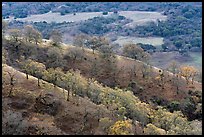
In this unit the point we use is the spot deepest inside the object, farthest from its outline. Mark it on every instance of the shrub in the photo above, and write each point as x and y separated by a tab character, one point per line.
173	106
153	130
105	123
47	104
121	128
105	13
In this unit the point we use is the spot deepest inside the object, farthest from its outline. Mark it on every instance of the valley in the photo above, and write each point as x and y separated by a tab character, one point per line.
136	17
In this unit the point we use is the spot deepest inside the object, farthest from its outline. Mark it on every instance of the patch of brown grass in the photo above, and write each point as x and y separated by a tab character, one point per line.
69	119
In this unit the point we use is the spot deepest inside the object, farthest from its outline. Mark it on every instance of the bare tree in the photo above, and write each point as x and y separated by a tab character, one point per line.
54	58
37	36
28	30
32	34
4	27
161	78
95	66
132	73
96	42
108	64
56	37
75	53
12	75
80	41
173	67
146	69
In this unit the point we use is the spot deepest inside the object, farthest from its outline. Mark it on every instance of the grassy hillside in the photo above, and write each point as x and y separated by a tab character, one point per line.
148	88
137	17
162	59
123	95
155	41
65	118
150	85
68	70
31	105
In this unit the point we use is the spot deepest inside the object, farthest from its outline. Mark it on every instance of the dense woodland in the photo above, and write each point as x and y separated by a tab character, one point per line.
44	7
136	97
181	31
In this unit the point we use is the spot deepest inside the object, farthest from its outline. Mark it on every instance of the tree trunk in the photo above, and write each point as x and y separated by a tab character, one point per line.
26	75
38	82
177	89
10	92
192	80
74	59
72	93
83	49
68	95
187	81
143	75
77	103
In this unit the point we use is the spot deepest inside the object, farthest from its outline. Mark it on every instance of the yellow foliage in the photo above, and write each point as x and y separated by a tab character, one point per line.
174	123
153	130
157	78
188	72
121	128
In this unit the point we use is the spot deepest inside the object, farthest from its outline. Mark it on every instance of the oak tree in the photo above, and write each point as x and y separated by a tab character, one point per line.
56	37
15	34
188	72
135	52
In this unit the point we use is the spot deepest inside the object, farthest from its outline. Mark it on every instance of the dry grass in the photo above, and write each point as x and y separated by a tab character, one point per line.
155	41
150	86
67	121
142	17
56	17
162	59
138	17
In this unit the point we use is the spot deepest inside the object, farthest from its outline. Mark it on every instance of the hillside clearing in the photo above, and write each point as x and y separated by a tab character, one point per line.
138	17
155	41
142	17
163	59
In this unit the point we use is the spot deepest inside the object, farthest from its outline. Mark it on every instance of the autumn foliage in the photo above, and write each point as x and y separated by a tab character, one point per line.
189	72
